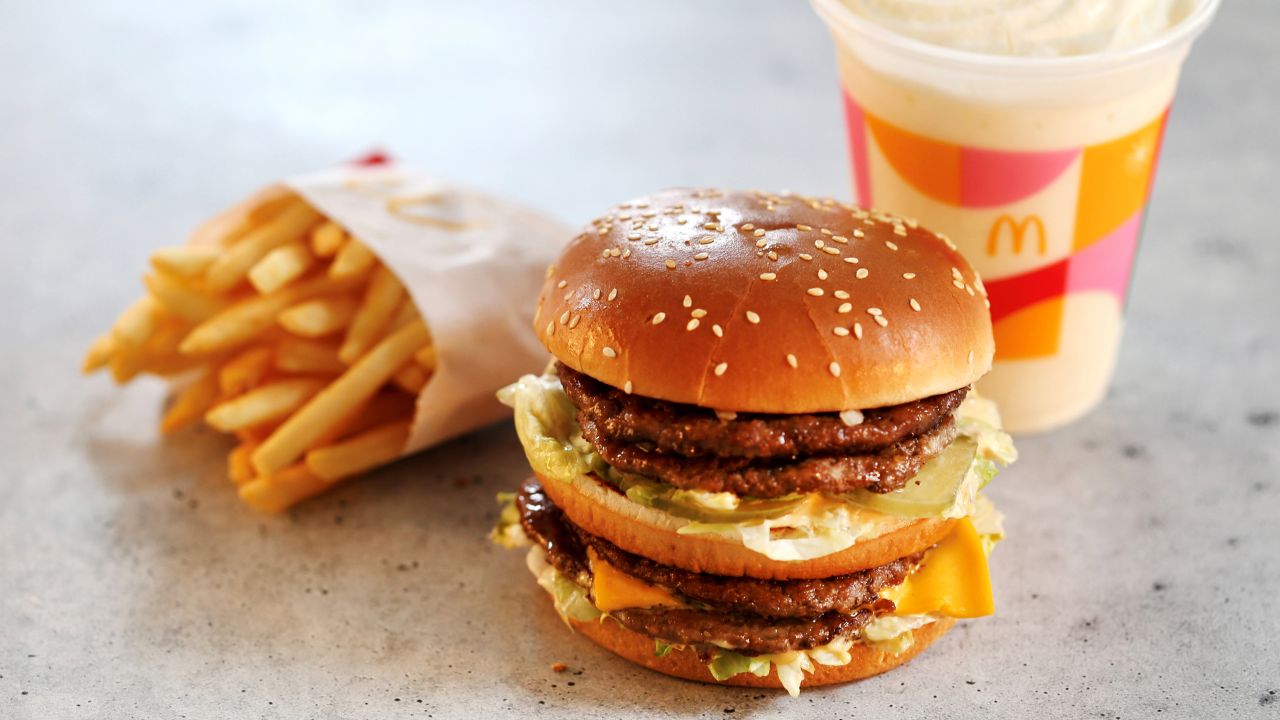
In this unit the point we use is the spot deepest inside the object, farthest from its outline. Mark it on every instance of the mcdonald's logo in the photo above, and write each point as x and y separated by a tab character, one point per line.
1018	232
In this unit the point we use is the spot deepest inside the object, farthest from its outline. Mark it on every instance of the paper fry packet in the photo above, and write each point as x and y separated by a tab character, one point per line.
338	321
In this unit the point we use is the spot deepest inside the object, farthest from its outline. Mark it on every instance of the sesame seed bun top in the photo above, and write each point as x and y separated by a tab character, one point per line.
758	302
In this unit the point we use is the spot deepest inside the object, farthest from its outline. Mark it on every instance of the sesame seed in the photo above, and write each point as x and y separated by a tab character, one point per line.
613	294
748	226
882	321
908	276
955	273
726	415
626	388
551	327
711	226
760	244
822	274
834	368
858	233
682	221
758	232
819	244
830	250
815	291
568	295
626	253
717	330
615	252
562	284
772	255
609	352
564	317
825	231
899	230
721	368
551	270
874	311
969	289
844	308
633	236
706	240
657	319
915	305
651	226
687	302
841	331
651	242
671	264
791	360
698	313
891	244
841	294
862	273
852	417
958	284
768	276
851	260
573	322
986	302
970	357
753	318
701	256
913	223
803	228
805	256
692	325
840	239
605	254
857	330
595	294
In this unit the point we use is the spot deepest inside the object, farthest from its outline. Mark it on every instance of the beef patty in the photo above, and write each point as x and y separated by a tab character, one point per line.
883	471
758	616
692	431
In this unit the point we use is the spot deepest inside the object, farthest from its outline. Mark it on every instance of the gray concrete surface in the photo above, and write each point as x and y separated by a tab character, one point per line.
1141	575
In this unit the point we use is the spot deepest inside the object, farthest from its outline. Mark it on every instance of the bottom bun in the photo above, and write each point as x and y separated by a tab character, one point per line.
683	663
652	533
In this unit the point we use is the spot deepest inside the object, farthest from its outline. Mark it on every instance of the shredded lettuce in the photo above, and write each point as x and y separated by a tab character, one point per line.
661	649
508	532
790	666
892	633
795	527
571	599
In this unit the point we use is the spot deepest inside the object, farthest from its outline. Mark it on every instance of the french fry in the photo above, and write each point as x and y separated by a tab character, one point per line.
327	239
280	267
136	324
383	408
249	318
182	299
318	317
360	382
276	493
295	355
160	354
352	261
185	261
233	264
126	363
100	352
269	203
191	404
426	357
381	299
411	378
405	314
239	470
245	370
369	449
262	405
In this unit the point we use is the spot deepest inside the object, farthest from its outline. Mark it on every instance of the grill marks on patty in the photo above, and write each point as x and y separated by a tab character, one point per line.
757	616
763	456
693	431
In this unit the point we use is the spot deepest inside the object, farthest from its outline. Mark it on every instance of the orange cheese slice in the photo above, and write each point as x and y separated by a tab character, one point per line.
612	589
952	582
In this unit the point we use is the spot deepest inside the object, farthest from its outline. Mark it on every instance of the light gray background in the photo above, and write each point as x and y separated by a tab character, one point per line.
1141	574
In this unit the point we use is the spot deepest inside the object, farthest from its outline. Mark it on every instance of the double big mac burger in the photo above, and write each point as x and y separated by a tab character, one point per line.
757	458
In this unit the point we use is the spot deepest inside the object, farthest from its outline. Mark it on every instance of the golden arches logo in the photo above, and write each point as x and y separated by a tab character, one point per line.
1018	232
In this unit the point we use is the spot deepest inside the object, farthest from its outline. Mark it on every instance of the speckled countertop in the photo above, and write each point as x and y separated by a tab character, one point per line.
1141	574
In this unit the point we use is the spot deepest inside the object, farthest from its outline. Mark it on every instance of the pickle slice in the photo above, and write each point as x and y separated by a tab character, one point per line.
935	489
748	509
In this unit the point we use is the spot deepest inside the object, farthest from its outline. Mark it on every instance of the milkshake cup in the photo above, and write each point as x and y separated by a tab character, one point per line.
1038	168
